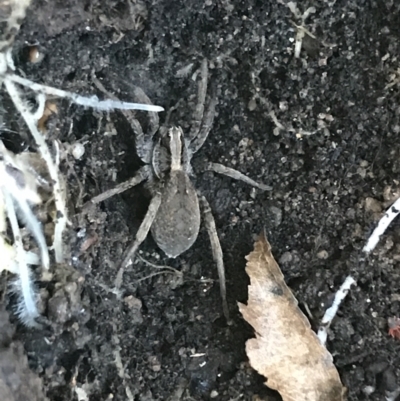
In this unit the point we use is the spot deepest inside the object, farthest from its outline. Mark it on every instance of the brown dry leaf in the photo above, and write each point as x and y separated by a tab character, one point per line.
285	351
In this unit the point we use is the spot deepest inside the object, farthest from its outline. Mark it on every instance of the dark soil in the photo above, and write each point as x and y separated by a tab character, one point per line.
333	168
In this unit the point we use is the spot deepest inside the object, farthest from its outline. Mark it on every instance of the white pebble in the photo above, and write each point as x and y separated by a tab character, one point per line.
78	150
368	390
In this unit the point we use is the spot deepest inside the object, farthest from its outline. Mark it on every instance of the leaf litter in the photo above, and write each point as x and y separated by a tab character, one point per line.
285	350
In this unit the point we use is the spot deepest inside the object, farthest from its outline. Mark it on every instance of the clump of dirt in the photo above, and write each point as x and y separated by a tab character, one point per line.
17	381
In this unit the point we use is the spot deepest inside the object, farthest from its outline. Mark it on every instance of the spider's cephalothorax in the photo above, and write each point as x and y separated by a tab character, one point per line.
174	211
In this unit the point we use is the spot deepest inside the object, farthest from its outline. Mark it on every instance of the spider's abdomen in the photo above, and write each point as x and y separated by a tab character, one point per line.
177	222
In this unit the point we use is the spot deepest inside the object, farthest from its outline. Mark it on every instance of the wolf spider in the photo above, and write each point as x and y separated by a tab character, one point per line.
173	215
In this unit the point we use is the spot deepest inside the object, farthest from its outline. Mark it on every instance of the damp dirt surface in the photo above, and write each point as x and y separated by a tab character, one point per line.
321	130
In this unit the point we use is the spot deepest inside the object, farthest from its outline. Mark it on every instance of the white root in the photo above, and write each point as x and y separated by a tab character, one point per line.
21	197
34	227
330	313
26	309
13	257
14	198
31	118
370	245
44	150
383	224
92	101
301	31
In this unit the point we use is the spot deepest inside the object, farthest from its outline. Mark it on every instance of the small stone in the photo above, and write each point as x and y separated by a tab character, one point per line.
244	143
132	302
277	215
214	394
155	363
362	172
135	305
285	258
78	150
372	205
358	231
391	194
322	254
58	309
252	105
146	396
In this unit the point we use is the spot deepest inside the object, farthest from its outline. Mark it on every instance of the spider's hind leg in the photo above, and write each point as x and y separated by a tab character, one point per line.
216	251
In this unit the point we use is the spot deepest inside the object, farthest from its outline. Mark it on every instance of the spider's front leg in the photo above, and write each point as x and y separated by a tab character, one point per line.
143	141
216	251
203	116
141	175
201	99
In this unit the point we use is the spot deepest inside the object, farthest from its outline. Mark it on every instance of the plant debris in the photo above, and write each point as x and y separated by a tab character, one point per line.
330	313
285	351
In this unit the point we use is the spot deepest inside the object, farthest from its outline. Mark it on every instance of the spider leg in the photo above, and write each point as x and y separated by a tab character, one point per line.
155	160
143	141
201	99
216	251
140	236
206	126
154	120
141	175
236	175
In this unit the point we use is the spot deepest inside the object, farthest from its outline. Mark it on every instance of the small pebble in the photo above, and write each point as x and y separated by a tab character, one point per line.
286	258
368	390
155	363
322	254
35	56
78	150
276	214
252	105
372	205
